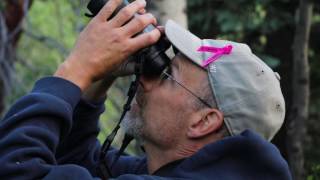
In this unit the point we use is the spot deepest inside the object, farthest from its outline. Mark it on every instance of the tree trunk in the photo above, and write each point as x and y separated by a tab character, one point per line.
169	9
10	29
300	97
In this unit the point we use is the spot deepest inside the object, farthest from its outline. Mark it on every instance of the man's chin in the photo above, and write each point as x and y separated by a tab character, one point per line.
139	98
135	107
133	123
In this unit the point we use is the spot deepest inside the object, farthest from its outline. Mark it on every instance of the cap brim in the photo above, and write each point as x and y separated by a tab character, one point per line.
186	42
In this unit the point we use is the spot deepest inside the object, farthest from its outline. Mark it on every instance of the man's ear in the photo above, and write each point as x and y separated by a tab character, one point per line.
205	122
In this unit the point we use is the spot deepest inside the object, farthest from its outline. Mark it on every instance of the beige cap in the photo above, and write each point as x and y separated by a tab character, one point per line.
246	90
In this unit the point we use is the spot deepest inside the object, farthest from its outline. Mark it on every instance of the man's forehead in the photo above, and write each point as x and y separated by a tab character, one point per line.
181	61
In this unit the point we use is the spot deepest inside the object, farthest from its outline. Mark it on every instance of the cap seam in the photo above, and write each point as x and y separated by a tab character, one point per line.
240	101
217	103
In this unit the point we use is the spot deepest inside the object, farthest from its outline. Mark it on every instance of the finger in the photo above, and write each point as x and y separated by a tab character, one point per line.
127	13
145	39
142	11
108	9
161	29
138	23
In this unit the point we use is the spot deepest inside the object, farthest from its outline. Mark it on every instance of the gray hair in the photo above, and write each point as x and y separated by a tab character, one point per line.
206	94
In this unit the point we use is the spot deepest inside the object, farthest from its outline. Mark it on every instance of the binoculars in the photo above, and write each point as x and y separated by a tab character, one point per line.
154	59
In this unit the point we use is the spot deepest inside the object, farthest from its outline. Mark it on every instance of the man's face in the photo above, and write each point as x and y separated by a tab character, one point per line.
163	108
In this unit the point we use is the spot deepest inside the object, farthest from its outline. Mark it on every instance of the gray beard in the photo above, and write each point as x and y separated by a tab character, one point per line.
133	125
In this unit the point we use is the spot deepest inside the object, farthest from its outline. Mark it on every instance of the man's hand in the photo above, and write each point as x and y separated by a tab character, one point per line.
104	45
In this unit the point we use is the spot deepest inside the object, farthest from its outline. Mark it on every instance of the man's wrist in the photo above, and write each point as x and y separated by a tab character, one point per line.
98	90
73	74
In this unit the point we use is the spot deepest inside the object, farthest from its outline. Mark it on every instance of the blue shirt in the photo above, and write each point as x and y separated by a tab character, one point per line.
52	134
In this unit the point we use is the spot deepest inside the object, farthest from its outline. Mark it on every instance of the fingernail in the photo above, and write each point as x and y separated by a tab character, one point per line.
150	15
142	2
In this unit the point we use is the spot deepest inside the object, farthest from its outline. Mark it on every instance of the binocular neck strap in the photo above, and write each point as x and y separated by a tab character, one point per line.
104	170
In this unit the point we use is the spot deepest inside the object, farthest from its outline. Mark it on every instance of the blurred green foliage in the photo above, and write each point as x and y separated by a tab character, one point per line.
314	173
36	58
239	20
2	5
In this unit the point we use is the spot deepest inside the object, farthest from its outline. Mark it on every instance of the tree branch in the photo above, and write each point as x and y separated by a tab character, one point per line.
48	41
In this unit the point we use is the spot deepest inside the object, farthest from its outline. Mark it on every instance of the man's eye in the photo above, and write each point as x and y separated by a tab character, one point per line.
166	71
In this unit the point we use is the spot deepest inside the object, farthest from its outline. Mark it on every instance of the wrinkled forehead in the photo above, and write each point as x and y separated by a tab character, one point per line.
188	69
184	62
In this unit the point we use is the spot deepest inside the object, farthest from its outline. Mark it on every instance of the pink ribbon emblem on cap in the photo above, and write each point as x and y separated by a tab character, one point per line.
218	52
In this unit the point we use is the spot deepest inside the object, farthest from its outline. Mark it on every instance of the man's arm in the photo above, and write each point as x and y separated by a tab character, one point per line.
33	128
39	137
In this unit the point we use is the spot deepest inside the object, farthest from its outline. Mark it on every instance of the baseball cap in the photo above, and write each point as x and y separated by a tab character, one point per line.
246	90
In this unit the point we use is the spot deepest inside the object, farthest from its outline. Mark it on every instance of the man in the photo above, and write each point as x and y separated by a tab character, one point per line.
206	117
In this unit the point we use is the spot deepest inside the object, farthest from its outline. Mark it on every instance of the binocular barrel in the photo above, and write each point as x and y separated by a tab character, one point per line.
155	59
